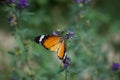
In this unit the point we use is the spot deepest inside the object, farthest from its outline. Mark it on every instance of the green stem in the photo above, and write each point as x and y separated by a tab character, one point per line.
25	51
66	74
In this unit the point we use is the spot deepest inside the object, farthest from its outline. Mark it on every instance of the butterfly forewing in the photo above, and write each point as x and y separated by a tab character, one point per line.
51	41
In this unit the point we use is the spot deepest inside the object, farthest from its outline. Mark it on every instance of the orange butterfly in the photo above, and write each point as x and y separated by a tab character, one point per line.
53	43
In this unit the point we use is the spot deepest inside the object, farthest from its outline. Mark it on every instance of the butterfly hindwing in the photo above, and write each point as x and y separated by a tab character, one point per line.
55	47
61	51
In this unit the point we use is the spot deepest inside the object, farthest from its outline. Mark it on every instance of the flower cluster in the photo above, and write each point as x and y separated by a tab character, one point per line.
69	34
115	66
57	32
9	2
20	4
66	62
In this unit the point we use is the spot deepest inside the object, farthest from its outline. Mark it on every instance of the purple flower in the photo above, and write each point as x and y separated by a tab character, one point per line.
9	1
21	4
115	66
66	62
69	34
54	33
57	32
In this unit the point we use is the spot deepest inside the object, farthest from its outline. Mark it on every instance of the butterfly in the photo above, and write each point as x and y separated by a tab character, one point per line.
53	43
56	43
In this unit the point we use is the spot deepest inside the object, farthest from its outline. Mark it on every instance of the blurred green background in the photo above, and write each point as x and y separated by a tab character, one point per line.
95	46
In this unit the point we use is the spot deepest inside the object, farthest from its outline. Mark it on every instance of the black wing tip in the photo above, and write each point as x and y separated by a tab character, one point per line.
36	39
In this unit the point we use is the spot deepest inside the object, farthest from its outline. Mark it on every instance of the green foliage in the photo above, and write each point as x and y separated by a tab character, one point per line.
94	26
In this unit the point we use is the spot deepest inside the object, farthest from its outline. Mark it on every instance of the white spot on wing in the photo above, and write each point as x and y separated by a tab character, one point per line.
64	56
41	38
